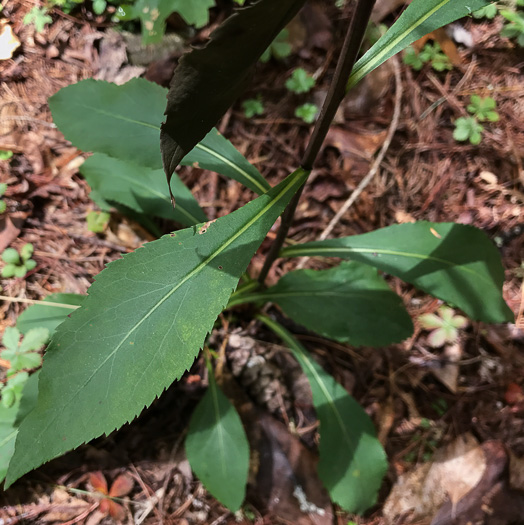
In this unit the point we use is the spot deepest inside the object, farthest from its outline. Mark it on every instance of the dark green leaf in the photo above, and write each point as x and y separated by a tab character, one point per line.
349	303
140	188
124	122
208	80
352	461
40	315
140	328
454	262
420	18
217	447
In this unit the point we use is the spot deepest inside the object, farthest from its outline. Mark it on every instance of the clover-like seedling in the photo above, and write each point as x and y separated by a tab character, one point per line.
300	81
515	26
412	58
483	108
307	112
433	54
22	355
3	205
280	47
444	327
39	17
18	264
468	128
253	106
97	221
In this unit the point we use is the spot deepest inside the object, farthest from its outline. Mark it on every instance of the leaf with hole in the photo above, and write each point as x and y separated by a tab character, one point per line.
352	461
145	319
454	262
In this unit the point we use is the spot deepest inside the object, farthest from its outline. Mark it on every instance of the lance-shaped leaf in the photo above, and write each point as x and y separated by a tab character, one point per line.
420	18
454	262
352	461
124	122
349	303
49	316
140	188
217	447
141	326
208	80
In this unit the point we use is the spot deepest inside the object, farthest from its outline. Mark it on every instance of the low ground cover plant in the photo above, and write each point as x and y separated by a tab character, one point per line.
148	314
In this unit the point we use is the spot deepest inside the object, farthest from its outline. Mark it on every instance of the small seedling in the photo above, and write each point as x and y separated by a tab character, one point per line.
432	54
468	128
307	112
39	17
3	205
489	11
18	264
515	26
444	327
280	47
122	486
22	355
99	6
483	108
97	221
300	81
253	106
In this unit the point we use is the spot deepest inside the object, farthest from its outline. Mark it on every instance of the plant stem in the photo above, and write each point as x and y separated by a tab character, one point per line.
336	93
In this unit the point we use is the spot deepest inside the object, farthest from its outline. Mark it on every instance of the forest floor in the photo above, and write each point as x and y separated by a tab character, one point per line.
427	404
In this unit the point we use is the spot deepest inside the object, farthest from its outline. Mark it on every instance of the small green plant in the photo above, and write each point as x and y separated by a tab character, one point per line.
3	189
97	221
483	108
22	356
39	17
469	128
444	326
515	26
300	81
432	54
307	112
253	106
280	47
18	264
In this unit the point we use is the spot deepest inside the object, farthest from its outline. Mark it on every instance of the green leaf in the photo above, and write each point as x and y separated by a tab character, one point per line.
26	251
141	326
352	461
34	339
10	419
9	270
140	188
307	112
105	118
253	106
11	339
454	262
280	47
349	303
208	80
420	18
217	447
38	16
10	256
49	317
97	221
300	81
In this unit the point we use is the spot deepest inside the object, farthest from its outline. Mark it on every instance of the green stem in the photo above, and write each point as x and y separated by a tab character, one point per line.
348	56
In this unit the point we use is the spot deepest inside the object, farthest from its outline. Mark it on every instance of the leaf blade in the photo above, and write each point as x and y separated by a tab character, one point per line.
420	18
217	447
352	461
454	262
163	300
